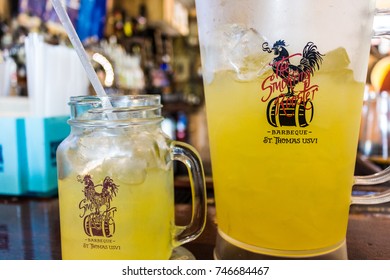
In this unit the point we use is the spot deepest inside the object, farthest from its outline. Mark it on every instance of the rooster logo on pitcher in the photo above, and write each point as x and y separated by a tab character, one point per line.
293	105
97	211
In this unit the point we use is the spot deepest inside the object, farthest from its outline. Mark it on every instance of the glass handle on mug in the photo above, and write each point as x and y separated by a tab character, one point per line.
187	155
384	175
375	179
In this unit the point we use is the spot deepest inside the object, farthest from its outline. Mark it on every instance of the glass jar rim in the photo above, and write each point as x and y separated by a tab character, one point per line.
147	99
115	109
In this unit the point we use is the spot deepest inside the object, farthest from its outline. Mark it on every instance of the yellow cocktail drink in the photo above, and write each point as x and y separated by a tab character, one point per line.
283	164
115	181
115	218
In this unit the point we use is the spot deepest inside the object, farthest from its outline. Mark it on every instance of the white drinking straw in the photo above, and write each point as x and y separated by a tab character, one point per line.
78	46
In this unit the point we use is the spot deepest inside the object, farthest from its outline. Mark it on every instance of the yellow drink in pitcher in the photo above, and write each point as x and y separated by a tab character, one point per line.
110	218
281	187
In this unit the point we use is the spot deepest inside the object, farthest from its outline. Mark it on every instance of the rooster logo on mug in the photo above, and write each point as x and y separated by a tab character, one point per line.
97	211
293	106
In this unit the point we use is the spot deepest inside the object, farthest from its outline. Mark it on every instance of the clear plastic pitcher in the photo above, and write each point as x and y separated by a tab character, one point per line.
284	83
115	182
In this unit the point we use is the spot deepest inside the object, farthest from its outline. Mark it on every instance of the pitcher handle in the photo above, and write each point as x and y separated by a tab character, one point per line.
374	179
384	175
189	156
382	32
